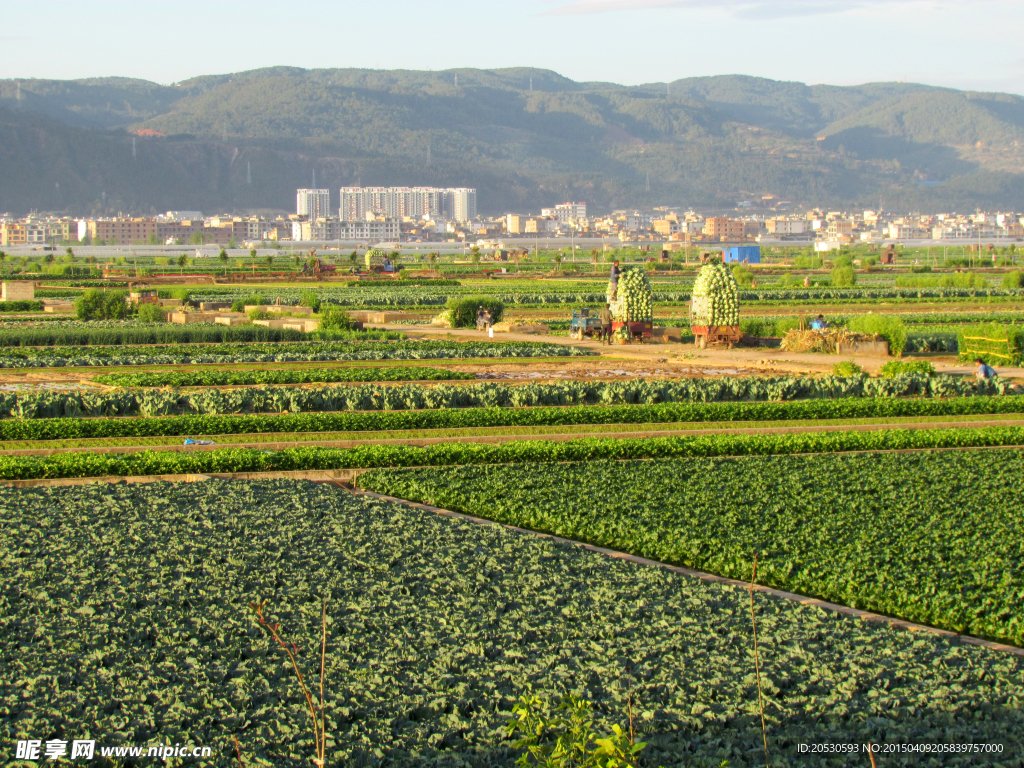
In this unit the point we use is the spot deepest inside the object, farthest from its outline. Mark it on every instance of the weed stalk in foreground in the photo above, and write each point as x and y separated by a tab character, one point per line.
319	725
757	664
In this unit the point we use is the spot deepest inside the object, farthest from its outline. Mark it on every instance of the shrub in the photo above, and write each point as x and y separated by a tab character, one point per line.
847	369
889	327
903	367
807	262
252	299
844	277
743	275
462	310
335	320
310	299
259	314
102	305
152	313
1013	279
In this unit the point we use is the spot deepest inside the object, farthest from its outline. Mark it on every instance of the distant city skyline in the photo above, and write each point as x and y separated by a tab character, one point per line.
953	43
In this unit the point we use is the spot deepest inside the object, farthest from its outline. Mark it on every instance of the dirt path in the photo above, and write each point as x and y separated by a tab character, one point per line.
760	360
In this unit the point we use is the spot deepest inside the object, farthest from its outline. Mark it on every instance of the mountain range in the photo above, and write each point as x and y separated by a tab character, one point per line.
525	138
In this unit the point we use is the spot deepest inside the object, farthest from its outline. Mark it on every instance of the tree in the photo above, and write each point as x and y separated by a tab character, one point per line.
224	259
153	239
182	260
48	258
70	253
3	258
197	238
270	260
232	243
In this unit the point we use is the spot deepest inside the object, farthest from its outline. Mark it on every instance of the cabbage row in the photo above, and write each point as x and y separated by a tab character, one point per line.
434	629
376	397
901	534
184	354
203	378
428	296
455	418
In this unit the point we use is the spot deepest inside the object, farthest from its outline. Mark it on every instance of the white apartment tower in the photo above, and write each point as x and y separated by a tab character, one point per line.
358	203
313	203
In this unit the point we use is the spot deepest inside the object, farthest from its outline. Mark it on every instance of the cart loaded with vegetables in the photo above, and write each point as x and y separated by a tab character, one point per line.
715	307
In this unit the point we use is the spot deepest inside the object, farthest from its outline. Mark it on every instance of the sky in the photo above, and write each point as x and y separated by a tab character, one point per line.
967	44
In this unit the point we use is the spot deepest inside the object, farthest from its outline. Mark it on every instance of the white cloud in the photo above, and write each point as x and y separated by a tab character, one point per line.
759	9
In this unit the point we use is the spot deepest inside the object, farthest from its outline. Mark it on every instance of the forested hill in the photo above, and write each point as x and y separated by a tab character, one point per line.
524	137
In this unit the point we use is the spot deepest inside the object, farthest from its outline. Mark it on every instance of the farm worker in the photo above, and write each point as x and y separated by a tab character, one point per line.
480	318
819	323
487	319
615	278
984	371
605	316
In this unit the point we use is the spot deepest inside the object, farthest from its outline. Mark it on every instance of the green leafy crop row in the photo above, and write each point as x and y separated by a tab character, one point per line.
192	333
449	418
376	397
434	629
201	378
537	451
276	353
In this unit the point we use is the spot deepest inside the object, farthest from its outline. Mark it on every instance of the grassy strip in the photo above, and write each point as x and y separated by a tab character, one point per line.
900	534
277	376
459	418
534	451
460	434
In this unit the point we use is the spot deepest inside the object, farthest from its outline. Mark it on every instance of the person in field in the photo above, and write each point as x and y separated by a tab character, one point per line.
818	323
605	316
615	278
984	371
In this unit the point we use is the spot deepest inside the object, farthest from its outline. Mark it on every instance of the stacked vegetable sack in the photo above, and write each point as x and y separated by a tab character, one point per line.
716	284
375	258
634	300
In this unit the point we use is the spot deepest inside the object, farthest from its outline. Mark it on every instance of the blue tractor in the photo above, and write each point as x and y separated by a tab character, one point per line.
585	324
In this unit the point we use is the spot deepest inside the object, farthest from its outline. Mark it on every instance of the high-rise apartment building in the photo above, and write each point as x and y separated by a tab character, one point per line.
314	203
357	203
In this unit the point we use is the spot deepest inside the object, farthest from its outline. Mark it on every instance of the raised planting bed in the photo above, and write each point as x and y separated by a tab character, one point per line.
435	627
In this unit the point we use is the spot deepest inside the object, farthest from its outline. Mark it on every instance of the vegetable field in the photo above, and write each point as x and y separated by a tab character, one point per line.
904	535
127	614
435	628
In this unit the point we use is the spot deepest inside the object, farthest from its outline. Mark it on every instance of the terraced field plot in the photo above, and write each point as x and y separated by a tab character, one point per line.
138	594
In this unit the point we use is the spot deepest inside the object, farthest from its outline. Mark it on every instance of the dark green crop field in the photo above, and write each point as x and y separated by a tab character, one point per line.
930	537
123	616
